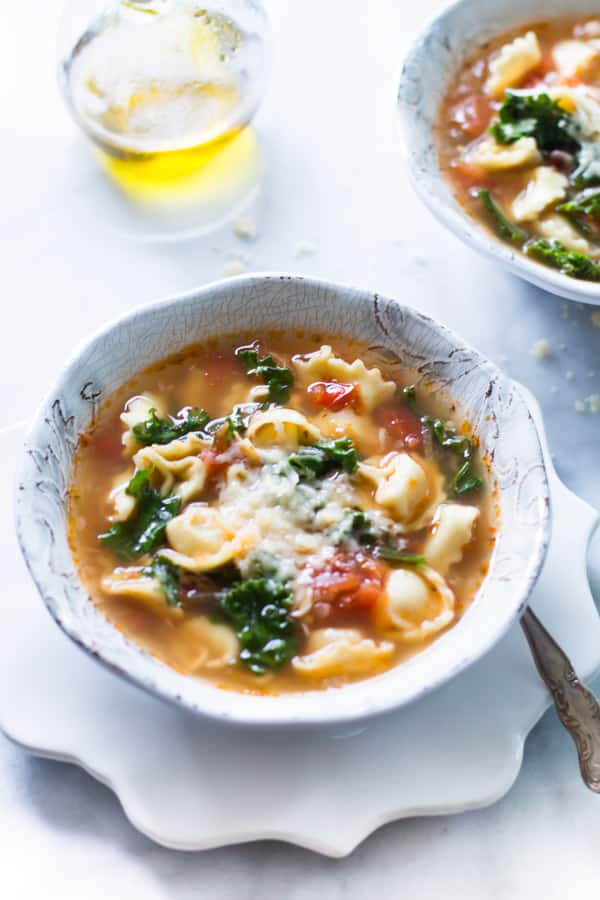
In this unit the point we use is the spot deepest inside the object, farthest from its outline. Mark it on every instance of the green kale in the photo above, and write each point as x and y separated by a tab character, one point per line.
161	431
391	554
278	379
355	526
536	116
568	262
587	203
502	226
144	531
259	610
464	479
168	576
410	396
318	460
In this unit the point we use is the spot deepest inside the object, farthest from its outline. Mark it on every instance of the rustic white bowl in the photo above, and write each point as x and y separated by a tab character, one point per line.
488	398
428	69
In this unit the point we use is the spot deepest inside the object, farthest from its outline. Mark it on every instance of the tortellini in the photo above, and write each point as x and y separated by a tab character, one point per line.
545	186
410	490
341	651
494	157
175	466
134	582
137	411
556	227
575	57
417	603
203	644
123	504
200	540
281	426
451	532
347	423
325	366
512	63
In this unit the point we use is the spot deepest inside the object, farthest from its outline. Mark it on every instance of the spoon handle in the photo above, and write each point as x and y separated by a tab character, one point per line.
577	708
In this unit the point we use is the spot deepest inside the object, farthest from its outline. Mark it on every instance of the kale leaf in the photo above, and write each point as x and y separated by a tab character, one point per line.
537	116
259	610
464	479
144	531
587	203
502	226
168	576
161	431
409	392
278	379
568	262
318	460
393	555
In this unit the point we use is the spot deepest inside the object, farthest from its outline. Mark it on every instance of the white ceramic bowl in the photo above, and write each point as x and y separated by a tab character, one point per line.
254	303
429	66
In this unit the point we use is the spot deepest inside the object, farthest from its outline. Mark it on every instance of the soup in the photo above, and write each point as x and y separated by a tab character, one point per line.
519	140
280	515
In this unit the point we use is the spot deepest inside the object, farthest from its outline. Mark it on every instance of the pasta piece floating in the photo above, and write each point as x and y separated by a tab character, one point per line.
203	644
137	411
417	603
452	531
281	426
491	156
346	423
201	541
406	487
325	366
176	466
555	227
545	187
341	651
512	63
123	504
575	57
134	582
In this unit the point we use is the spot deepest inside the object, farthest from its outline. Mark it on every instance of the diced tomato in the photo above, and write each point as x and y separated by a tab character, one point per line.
473	114
216	461
401	423
347	582
333	394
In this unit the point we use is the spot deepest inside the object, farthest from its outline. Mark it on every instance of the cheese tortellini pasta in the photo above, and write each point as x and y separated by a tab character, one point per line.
323	365
313	521
339	651
411	490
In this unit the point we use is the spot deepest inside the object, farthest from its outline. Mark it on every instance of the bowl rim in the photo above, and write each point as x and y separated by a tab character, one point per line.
452	215
319	714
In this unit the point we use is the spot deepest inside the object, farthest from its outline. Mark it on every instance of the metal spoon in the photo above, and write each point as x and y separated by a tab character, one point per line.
577	708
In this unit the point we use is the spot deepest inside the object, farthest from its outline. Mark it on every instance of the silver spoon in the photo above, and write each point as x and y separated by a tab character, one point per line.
577	708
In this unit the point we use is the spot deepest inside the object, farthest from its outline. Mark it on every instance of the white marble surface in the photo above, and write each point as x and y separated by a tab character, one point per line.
334	175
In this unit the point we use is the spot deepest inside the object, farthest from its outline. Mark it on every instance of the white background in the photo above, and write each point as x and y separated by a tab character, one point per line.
333	175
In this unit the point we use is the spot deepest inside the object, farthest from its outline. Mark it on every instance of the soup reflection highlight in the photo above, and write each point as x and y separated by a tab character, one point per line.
281	514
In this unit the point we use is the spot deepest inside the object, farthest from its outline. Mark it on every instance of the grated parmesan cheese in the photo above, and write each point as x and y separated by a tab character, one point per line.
541	349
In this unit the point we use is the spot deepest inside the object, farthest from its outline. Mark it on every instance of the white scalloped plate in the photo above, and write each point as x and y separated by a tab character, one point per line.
191	784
